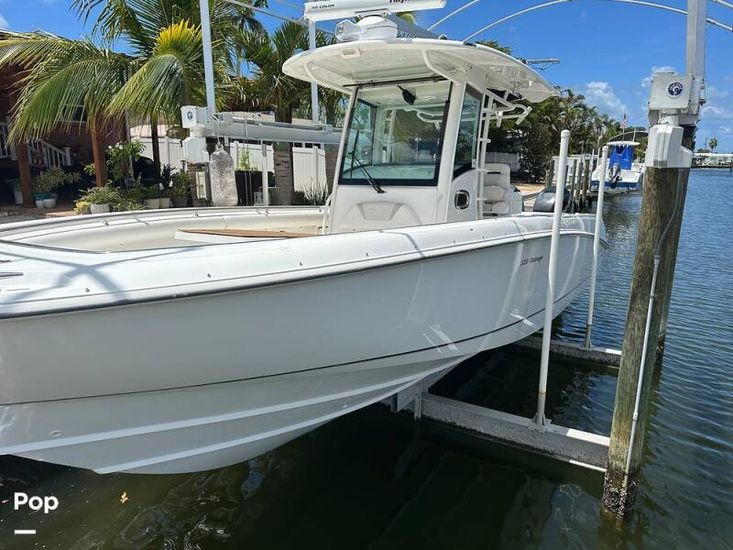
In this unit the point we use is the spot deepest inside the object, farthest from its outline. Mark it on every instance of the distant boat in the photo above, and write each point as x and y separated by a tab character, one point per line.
623	175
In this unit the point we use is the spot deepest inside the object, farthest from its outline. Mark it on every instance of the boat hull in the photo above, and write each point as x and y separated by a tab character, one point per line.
204	381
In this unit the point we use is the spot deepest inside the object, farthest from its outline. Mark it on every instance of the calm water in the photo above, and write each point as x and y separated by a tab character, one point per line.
374	480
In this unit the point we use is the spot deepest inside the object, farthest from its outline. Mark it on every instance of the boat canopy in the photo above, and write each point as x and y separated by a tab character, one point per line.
340	66
623	143
622	154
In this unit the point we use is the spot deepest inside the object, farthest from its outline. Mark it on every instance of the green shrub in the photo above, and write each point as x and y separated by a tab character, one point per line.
181	185
102	195
52	179
126	205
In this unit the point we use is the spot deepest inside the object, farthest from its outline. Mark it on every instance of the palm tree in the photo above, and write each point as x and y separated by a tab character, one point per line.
268	88
63	75
713	144
163	71
165	39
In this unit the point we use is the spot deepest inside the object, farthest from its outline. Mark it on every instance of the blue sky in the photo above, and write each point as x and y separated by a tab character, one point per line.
608	51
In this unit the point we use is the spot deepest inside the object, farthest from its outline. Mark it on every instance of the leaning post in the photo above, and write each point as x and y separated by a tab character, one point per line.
673	111
562	167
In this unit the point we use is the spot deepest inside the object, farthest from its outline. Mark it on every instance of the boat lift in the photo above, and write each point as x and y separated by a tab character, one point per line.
537	434
226	126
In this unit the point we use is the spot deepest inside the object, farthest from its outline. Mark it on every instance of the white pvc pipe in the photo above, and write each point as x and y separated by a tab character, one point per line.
208	56
596	246
552	276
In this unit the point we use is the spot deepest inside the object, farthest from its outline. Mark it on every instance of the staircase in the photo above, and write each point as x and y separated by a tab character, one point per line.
43	154
40	153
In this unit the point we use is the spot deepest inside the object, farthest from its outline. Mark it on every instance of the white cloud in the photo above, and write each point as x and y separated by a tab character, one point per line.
3	22
716	112
713	92
601	94
647	80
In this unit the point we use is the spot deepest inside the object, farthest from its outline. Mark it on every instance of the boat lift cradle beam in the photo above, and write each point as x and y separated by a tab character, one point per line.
537	435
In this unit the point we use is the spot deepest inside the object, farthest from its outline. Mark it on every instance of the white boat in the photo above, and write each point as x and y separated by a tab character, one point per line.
623	175
183	340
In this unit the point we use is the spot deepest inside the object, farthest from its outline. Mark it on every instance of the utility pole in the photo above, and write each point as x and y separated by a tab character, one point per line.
673	112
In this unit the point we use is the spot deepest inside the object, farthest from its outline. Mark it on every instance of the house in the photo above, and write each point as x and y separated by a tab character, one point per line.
67	149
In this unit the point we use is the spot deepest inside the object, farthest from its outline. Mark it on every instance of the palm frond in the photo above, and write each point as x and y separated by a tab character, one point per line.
61	76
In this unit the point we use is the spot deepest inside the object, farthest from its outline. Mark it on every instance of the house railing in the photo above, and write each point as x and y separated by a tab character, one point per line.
6	151
41	153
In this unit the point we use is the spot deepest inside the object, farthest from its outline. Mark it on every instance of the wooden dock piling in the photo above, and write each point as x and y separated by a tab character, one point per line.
659	219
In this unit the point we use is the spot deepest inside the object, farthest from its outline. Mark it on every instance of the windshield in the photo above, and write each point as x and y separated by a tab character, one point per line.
395	134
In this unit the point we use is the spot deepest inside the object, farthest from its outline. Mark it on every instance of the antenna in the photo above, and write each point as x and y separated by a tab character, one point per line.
339	9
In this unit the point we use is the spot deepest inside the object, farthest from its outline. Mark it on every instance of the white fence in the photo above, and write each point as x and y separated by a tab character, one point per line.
309	164
171	150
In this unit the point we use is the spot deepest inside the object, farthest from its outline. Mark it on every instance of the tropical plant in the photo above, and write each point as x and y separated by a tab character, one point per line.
713	144
135	193
120	157
107	194
52	179
165	40
268	88
126	205
165	175
163	70
82	206
181	185
63	76
245	162
315	193
152	191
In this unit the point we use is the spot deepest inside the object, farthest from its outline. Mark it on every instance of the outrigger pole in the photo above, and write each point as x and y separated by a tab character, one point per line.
709	20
